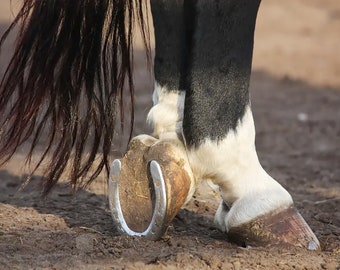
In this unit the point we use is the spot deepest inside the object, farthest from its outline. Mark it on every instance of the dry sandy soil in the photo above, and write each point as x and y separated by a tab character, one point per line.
296	102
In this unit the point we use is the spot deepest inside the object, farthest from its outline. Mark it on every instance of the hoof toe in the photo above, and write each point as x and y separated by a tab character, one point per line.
284	228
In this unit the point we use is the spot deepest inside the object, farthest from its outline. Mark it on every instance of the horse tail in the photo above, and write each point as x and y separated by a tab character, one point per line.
71	63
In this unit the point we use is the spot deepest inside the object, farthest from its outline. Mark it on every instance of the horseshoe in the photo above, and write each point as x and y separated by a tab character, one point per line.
155	229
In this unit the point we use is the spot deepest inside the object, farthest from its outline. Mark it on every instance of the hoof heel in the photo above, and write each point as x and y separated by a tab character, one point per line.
284	228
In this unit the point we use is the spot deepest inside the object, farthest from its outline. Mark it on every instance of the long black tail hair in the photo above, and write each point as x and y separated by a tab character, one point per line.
71	63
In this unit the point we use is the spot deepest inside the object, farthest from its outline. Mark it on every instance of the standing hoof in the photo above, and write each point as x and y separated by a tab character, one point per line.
284	228
148	186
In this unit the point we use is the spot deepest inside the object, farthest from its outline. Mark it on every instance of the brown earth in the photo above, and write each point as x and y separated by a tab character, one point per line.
296	102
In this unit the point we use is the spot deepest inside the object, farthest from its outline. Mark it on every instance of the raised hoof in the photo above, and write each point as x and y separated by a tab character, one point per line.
147	187
284	228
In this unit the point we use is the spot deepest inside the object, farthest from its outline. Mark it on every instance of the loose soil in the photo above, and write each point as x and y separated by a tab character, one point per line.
295	90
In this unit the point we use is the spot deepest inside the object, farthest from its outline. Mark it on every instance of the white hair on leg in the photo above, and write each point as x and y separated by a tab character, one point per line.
255	208
166	118
233	165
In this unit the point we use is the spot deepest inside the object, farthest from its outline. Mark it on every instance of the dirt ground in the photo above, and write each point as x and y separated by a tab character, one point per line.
296	103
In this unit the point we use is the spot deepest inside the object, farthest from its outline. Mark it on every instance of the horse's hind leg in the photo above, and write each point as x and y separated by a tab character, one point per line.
167	113
205	49
219	130
173	27
170	66
167	149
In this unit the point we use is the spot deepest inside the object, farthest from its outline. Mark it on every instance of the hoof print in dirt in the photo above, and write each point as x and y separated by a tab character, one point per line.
285	228
148	186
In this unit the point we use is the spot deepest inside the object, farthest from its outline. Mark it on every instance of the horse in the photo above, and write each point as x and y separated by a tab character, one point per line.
72	67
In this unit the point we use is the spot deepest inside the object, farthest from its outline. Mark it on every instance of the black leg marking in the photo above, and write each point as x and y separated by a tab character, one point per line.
168	21
217	92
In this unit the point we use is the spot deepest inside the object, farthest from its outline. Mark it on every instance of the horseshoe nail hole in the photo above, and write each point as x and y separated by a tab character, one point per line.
157	183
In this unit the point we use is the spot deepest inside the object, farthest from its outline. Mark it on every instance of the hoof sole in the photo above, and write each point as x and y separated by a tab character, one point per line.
147	187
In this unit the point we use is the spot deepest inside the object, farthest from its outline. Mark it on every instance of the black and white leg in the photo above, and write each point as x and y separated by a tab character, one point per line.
202	109
219	129
163	156
170	65
210	59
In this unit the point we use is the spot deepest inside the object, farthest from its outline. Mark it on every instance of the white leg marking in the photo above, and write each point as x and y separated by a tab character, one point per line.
166	118
233	165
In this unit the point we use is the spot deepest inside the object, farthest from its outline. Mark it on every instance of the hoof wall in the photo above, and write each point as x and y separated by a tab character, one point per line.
284	228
